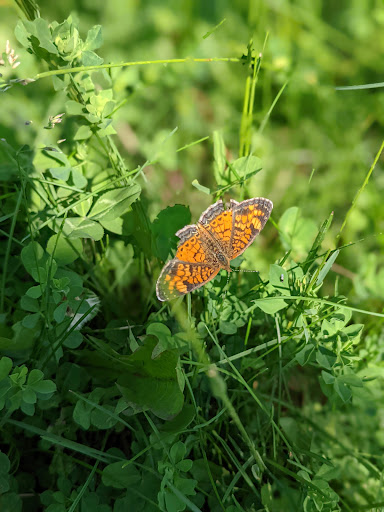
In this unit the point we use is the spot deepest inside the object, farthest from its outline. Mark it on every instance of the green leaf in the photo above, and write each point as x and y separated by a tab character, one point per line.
5	368
5	465
351	379
30	321
77	227
60	173
219	156
278	278
35	376
44	387
181	421
326	358
29	396
342	390
327	377
164	227
90	58
74	108
327	267
83	133
82	208
79	180
44	35
115	203
120	477
31	256
35	292
177	452
203	189
152	383
247	166
227	327
296	232
271	305
60	312
94	38
64	251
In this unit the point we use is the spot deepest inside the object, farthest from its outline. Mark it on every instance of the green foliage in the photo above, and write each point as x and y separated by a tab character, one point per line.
261	392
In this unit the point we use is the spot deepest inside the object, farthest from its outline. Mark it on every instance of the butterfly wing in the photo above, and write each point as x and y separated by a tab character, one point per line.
178	278
218	223
249	218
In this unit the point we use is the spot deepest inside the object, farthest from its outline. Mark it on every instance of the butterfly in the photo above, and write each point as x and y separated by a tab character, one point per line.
205	248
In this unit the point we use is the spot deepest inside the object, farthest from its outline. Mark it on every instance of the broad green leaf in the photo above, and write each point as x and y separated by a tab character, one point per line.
152	383
120	477
114	203
74	108
227	327
35	292
278	278
181	421
94	38
342	390
164	227
296	232
327	377
60	312
79	180
5	368
30	321
83	132
44	387
64	251
90	58
60	173
77	227
271	305
247	166
31	256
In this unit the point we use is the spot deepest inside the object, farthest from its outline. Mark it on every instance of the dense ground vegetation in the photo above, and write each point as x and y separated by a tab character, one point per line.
261	393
